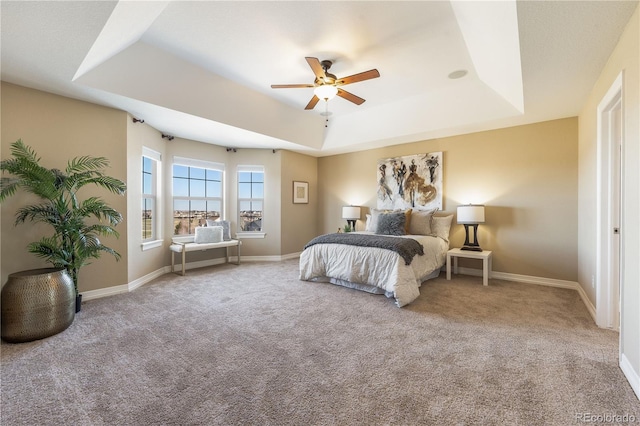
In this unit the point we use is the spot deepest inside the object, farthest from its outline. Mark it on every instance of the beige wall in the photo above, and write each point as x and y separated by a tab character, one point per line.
299	221
59	129
526	176
625	58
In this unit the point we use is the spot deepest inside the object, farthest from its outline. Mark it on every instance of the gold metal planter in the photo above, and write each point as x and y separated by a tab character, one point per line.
37	303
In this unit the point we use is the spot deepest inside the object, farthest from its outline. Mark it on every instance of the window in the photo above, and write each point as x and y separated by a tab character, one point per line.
150	182
197	194
250	198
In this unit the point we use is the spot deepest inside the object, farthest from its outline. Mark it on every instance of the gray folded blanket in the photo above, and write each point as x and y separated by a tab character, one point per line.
405	247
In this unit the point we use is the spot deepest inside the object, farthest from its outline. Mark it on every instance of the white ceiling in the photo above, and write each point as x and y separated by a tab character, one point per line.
202	70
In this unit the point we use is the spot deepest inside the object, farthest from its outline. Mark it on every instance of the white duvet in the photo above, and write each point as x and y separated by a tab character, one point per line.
362	267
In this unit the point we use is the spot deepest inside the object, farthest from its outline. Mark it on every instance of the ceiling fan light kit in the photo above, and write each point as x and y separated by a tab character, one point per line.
327	86
326	92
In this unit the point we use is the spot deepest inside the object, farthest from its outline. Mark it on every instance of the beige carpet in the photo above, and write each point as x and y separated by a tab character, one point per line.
253	345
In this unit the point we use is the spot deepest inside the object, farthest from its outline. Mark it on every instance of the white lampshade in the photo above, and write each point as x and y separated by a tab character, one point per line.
471	213
351	212
326	91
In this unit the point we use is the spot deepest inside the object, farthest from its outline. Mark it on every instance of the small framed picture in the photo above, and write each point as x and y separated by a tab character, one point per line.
300	192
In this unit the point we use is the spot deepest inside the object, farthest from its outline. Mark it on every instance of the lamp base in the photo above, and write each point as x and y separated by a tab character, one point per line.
468	244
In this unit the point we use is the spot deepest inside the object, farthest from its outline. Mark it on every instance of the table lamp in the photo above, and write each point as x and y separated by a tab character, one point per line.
470	215
351	213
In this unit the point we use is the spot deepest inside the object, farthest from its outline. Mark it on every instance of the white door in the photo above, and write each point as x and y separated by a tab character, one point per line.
615	208
609	234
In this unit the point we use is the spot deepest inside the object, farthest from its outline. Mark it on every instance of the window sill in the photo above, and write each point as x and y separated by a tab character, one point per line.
249	235
148	245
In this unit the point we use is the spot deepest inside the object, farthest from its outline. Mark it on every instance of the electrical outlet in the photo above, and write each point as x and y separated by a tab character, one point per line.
593	281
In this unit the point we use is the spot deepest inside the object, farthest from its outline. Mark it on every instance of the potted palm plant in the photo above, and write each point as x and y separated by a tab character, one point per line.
77	224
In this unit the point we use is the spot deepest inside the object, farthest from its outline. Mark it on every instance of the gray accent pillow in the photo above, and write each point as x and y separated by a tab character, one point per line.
391	224
226	227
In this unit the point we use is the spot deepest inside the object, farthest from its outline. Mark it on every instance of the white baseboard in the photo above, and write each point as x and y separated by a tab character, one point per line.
529	279
270	258
139	282
291	256
632	376
104	292
550	282
125	288
587	302
149	277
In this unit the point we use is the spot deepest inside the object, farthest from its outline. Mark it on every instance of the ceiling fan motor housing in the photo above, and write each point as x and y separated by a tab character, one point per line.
330	78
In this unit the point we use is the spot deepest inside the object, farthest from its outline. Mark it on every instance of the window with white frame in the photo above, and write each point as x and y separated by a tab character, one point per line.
250	198
150	183
197	193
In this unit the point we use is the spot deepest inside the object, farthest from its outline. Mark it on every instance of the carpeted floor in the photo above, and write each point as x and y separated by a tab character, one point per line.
253	345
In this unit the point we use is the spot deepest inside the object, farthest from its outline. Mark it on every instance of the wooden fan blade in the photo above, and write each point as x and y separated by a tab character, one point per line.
316	67
312	103
367	75
290	86
350	97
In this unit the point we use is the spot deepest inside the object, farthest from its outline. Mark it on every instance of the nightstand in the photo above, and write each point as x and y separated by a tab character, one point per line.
484	255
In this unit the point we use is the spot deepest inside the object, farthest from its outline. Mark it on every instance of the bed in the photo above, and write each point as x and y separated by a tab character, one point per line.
380	270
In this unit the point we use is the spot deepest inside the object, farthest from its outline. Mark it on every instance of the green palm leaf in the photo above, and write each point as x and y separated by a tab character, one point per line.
27	173
86	163
111	184
100	210
48	248
74	241
39	213
8	187
103	230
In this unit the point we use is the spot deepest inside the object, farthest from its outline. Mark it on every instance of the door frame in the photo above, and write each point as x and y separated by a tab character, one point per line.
608	257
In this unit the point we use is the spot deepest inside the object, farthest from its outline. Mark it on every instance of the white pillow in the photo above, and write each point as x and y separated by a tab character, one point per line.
440	226
208	234
421	222
372	225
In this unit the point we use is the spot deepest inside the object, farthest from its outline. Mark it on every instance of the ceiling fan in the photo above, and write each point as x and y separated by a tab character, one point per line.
327	85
